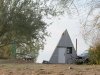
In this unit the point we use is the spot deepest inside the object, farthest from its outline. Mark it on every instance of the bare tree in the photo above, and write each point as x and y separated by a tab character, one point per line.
91	24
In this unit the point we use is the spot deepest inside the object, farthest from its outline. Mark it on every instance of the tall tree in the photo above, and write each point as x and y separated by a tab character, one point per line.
92	21
22	24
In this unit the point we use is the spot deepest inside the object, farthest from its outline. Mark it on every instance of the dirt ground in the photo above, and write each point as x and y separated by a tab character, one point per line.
48	69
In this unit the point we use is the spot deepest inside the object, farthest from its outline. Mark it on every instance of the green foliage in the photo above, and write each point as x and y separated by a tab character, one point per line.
5	52
21	22
94	55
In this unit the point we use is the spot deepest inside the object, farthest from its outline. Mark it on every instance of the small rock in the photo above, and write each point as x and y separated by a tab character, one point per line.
55	66
95	74
10	73
41	69
61	73
70	67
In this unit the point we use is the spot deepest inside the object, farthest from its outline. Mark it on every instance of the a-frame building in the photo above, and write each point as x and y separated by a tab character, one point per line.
65	51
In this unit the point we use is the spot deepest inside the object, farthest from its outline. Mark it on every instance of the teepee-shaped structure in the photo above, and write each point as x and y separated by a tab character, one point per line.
65	51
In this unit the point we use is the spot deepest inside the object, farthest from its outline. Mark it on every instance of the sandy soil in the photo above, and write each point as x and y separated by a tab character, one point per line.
48	69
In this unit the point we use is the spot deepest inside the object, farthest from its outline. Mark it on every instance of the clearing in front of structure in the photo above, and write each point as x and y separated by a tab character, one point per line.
48	69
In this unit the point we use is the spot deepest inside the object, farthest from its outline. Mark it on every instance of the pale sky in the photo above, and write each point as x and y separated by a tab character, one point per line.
60	24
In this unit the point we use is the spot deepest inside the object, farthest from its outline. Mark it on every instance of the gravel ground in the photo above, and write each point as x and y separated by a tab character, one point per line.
48	69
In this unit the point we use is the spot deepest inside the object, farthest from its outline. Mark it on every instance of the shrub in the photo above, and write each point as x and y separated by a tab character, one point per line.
94	54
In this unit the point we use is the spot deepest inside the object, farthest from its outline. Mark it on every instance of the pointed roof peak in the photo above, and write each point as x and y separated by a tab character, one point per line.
65	40
65	32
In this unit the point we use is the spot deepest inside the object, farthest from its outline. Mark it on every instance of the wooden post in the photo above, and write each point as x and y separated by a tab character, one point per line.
76	45
13	49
